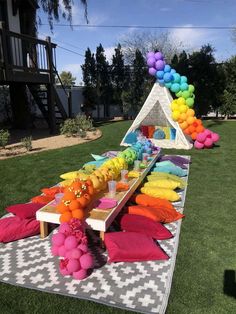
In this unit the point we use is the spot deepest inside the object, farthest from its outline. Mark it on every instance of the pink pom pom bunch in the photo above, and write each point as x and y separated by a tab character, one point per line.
70	243
206	139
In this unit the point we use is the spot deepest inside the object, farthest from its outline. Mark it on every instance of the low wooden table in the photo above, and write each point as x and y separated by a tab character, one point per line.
98	219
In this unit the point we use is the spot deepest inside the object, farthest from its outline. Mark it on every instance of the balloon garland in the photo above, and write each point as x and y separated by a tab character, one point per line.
181	107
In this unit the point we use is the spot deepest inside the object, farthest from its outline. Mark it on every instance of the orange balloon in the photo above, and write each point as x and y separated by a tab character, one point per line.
183	125
74	205
183	116
76	185
190	113
194	135
190	120
61	208
78	213
191	129
69	196
65	217
186	131
199	121
200	129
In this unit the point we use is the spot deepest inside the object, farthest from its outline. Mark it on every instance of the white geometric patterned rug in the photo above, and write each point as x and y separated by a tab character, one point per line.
141	286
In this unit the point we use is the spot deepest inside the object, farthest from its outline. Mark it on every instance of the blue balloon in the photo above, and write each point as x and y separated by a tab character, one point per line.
161	81
172	71
167	68
176	77
184	86
168	85
183	79
168	77
160	74
175	87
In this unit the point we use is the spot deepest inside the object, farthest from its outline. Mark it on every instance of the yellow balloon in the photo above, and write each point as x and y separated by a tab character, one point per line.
174	106
190	113
184	125
183	108
175	115
181	101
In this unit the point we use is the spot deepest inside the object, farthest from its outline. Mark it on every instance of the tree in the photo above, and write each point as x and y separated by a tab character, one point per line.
145	42
133	98
181	63
203	75
89	79
103	81
67	79
118	76
228	107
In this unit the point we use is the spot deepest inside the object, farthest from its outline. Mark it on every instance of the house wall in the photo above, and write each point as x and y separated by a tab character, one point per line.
14	21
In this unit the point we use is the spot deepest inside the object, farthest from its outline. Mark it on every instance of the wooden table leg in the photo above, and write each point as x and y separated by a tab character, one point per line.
43	229
102	233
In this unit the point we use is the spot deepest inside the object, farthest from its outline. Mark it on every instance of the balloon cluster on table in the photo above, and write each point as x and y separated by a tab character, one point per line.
181	107
70	243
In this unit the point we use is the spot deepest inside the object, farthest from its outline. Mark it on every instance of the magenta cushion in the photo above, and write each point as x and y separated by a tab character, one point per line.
14	228
132	247
145	225
24	210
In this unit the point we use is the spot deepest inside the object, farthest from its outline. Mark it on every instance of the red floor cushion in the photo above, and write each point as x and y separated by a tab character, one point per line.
132	247
14	228
145	225
24	210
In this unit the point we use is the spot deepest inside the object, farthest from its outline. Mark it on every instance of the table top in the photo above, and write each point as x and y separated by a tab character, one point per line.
100	219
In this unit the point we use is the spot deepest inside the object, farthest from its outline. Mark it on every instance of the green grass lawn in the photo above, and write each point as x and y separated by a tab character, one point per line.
202	281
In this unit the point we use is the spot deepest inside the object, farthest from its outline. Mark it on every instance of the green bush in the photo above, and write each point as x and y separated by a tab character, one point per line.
83	122
27	143
69	128
4	138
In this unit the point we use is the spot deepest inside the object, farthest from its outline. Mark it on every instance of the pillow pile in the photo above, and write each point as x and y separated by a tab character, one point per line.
167	194
168	167
24	211
163	175
163	183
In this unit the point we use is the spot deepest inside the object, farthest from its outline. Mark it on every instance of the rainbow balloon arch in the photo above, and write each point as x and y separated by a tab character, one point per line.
182	106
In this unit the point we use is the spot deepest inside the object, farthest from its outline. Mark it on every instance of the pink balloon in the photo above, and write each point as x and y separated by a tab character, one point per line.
76	253
215	137
81	274
62	251
73	265
64	228
58	239
54	250
207	132
201	137
64	272
71	243
198	145
152	71
83	248
86	261
208	143
151	62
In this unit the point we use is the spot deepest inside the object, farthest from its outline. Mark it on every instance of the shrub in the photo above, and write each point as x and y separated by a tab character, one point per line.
83	122
27	143
69	128
4	138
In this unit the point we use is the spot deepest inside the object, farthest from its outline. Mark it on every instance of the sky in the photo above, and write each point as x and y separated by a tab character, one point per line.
181	13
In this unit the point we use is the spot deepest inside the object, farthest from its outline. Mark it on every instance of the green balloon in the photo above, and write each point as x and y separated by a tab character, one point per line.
179	94
191	88
186	94
190	102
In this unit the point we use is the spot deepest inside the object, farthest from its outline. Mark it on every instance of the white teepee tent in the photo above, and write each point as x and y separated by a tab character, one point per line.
156	111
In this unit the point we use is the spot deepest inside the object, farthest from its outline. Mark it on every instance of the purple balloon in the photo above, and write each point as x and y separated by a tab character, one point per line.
151	62
160	65
150	54
152	71
159	56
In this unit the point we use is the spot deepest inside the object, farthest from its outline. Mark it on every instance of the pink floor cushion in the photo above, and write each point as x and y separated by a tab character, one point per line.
105	203
145	225
24	210
14	228
132	247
